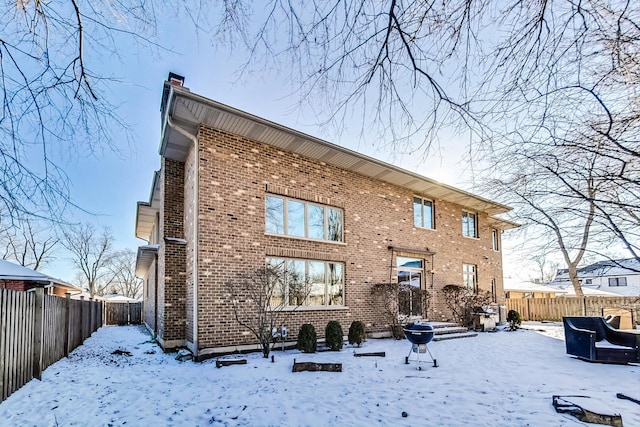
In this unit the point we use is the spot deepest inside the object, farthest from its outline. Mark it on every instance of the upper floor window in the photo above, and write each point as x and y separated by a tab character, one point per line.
469	277
617	281
297	218
423	213
298	282
469	224
495	240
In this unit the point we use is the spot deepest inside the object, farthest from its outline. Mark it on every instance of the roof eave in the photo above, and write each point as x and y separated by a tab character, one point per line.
175	146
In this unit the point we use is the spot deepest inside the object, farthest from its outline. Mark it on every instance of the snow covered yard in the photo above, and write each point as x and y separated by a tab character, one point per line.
495	379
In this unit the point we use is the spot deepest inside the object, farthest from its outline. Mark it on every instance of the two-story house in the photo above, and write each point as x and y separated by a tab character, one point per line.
236	192
617	276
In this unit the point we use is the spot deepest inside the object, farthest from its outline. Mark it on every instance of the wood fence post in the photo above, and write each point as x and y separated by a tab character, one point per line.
67	323
90	331
37	332
81	322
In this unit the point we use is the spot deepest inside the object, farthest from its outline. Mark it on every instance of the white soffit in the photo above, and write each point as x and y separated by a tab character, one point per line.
189	110
146	255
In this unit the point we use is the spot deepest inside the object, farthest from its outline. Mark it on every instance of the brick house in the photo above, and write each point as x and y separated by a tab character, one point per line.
19	278
265	193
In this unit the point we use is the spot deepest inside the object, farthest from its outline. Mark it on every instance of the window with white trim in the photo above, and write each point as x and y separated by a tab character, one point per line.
495	240
469	277
469	224
423	213
296	218
617	281
307	282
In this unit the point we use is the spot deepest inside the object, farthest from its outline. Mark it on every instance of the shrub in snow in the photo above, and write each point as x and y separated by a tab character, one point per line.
333	335
462	300
513	317
356	333
307	339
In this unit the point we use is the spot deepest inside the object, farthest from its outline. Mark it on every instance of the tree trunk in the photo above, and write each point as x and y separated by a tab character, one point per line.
573	276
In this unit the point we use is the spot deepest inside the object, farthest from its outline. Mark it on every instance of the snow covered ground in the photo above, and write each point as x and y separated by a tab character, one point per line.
494	379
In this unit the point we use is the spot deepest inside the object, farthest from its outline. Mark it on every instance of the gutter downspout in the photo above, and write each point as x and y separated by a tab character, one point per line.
196	176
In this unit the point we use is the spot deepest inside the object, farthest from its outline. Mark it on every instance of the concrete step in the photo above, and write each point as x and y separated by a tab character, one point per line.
449	330
440	325
453	336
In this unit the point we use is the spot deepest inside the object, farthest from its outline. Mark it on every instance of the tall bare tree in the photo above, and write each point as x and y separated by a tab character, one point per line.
91	252
546	269
29	245
122	266
560	190
53	93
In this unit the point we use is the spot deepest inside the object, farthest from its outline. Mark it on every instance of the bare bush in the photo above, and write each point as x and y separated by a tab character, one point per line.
462	302
391	306
264	298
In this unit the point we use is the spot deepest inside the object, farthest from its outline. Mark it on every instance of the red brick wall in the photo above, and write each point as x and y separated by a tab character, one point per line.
14	285
234	176
171	254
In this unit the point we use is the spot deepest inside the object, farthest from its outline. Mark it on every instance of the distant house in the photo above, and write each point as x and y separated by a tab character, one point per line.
117	298
19	278
530	290
619	277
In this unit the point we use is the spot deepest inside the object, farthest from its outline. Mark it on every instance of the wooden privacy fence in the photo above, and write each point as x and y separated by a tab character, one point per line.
37	330
122	313
556	308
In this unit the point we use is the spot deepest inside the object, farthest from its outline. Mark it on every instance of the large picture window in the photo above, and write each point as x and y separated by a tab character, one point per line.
307	282
469	277
469	224
296	218
423	213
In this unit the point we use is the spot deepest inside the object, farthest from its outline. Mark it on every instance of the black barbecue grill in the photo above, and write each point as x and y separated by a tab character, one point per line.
419	335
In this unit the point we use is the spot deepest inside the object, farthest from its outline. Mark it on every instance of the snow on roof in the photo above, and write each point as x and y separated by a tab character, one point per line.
616	267
117	298
531	287
11	271
568	291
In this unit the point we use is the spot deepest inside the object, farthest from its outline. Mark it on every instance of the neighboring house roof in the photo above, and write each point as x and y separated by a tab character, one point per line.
531	287
605	268
11	271
186	111
117	298
569	291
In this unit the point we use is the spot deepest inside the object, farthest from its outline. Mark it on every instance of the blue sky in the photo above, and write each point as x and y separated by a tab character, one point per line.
108	183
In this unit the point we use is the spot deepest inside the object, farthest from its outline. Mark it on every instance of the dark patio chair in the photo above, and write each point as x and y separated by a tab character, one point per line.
594	340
